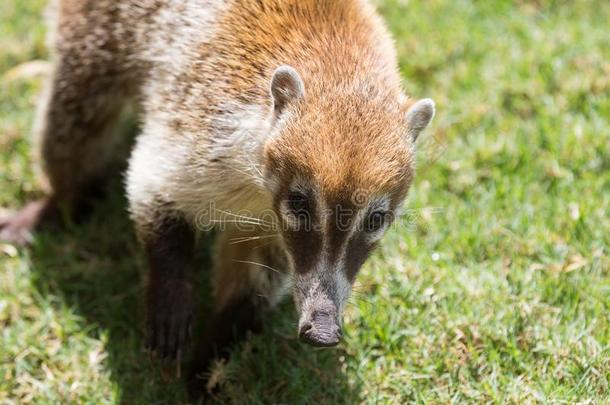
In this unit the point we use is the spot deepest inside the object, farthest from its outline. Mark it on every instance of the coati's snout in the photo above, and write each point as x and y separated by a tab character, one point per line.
322	329
319	312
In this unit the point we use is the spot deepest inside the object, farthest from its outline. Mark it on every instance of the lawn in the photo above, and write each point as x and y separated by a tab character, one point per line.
495	288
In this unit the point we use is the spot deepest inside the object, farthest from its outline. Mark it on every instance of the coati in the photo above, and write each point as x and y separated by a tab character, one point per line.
281	123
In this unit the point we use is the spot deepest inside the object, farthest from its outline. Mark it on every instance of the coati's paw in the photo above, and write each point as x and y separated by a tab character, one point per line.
170	318
18	228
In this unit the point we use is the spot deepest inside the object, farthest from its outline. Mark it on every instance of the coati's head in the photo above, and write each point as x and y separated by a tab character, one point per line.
338	167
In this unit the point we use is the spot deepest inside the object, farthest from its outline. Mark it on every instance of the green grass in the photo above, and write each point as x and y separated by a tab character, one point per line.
496	290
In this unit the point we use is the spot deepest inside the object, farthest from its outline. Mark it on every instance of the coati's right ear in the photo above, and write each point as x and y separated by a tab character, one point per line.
286	87
419	116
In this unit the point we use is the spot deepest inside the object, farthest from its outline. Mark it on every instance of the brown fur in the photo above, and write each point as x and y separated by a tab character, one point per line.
200	71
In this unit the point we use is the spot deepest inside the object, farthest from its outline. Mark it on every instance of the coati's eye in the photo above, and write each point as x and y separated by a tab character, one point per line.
376	221
298	203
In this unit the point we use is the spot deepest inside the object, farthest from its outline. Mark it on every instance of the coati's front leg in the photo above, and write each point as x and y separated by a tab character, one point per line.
250	277
169	251
168	236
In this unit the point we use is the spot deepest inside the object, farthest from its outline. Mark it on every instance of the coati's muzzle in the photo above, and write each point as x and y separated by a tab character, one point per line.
319	301
321	329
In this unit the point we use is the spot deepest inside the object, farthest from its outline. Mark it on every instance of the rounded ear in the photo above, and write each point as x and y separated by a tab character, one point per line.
286	87
419	116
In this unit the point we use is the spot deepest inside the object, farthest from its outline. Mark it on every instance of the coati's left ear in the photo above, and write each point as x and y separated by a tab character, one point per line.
419	116
286	87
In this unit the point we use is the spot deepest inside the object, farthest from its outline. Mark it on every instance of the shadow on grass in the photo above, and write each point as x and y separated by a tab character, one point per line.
98	269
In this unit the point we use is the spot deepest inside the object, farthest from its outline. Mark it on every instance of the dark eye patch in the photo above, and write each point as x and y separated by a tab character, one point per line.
298	203
375	221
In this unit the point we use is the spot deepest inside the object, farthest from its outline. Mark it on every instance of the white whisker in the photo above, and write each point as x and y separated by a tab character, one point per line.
242	216
244	172
262	245
258	264
254	166
233	221
235	241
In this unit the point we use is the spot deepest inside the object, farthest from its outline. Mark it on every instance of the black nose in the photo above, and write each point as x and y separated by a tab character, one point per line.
322	331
